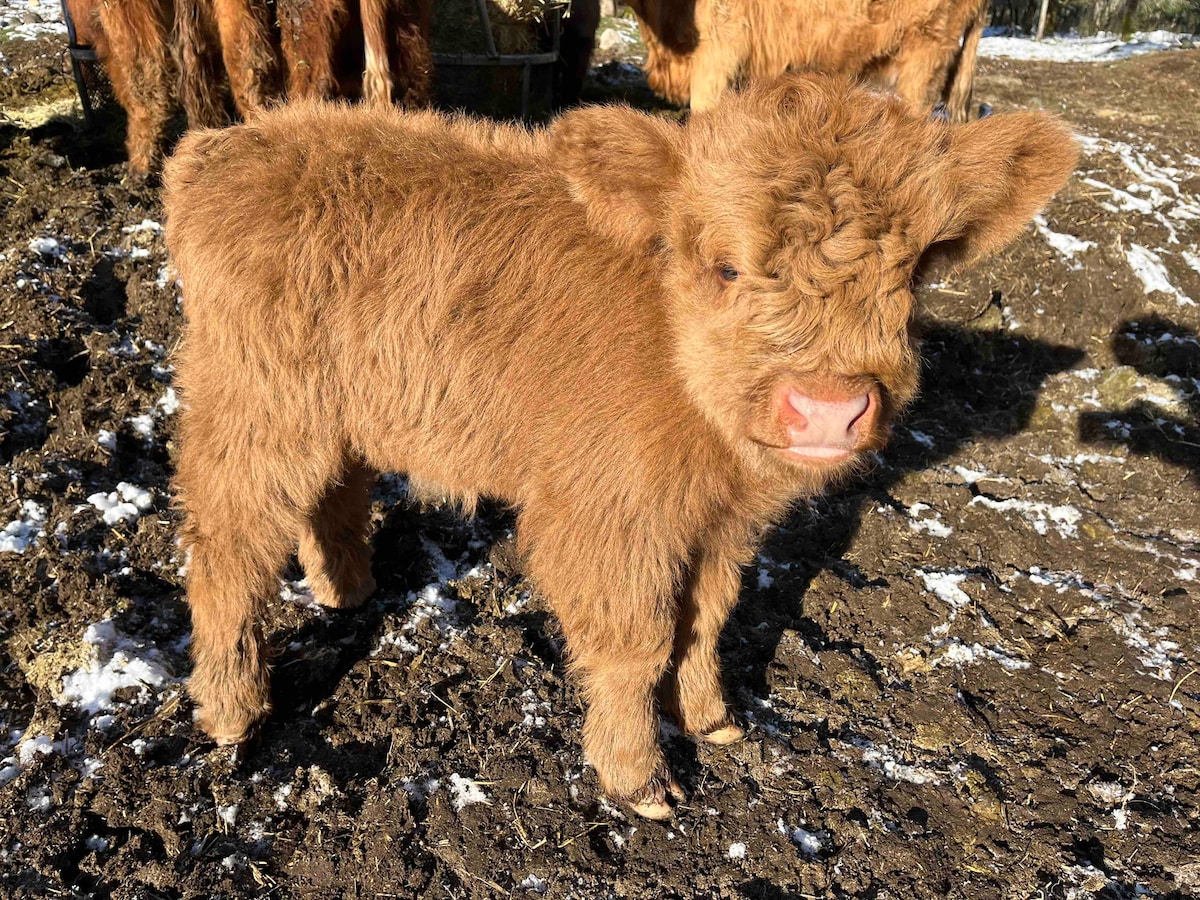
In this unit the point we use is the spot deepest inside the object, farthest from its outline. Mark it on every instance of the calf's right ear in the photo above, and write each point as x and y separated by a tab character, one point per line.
620	165
998	173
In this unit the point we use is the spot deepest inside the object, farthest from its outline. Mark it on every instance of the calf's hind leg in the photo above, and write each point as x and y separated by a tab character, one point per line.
334	549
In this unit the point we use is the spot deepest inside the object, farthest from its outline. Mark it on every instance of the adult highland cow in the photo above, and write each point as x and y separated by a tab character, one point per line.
923	49
649	339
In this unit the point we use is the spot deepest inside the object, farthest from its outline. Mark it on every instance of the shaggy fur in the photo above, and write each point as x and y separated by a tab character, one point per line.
923	49
131	40
150	48
601	345
377	49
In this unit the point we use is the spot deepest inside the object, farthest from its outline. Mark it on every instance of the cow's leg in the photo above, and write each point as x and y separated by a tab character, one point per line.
692	689
139	68
334	547
197	56
248	51
413	61
377	76
920	72
246	498
309	33
719	56
617	614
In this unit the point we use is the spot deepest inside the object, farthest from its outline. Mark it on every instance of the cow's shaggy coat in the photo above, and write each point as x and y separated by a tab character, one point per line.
923	49
649	339
153	50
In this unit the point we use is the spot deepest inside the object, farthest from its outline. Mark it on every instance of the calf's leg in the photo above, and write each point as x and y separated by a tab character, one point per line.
692	690
618	617
334	549
246	500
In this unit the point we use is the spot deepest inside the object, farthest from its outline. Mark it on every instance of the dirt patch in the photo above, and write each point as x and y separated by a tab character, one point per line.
971	674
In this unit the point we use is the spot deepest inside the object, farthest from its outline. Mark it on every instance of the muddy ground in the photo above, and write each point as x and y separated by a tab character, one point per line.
971	674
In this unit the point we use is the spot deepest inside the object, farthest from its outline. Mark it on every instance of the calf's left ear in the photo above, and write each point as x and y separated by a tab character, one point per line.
998	173
620	164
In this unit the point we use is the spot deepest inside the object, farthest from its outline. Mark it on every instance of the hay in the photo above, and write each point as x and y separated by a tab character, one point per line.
516	25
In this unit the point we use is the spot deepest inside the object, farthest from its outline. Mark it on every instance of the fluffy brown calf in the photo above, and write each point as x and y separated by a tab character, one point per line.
378	49
648	338
923	49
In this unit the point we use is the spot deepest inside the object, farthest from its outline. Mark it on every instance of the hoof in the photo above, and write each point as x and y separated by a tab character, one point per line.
230	731
651	802
658	810
331	599
723	736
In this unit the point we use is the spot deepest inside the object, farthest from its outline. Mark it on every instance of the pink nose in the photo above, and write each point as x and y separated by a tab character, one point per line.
823	427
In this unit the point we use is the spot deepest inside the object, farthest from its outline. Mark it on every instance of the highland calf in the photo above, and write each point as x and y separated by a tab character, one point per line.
922	49
648	338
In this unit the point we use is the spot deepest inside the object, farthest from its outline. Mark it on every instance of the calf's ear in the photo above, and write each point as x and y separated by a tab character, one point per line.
620	165
998	173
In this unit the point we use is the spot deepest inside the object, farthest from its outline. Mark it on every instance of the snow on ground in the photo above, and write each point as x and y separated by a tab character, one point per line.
125	504
466	791
24	530
27	20
117	661
1101	47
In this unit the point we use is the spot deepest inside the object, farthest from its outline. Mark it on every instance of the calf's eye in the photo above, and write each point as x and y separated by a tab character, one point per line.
728	273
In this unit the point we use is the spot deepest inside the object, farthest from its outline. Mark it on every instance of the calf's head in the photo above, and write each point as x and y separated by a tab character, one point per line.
792	220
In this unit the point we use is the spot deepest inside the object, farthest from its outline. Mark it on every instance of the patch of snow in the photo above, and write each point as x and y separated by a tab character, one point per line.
882	758
227	815
466	791
1040	515
959	653
1101	47
736	851
146	226
20	533
945	586
533	884
48	246
1065	245
143	426
810	842
419	790
168	403
125	504
38	746
106	439
280	796
1150	271
118	661
931	525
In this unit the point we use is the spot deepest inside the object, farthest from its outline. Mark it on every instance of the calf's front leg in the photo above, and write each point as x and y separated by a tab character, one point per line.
616	607
691	691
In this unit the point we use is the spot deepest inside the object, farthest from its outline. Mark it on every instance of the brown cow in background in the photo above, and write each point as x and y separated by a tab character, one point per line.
132	40
156	50
923	49
323	40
